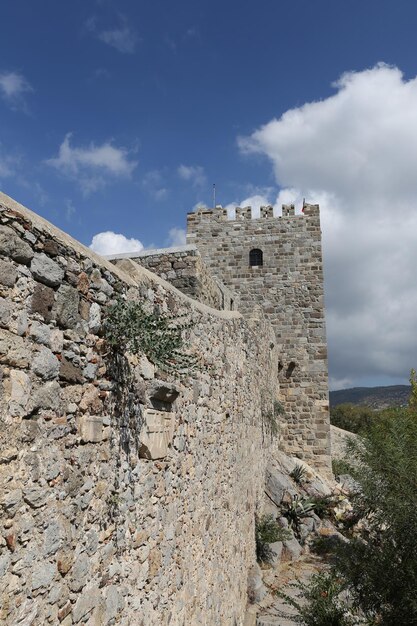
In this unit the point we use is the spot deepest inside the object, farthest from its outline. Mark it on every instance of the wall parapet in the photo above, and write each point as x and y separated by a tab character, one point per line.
184	268
95	527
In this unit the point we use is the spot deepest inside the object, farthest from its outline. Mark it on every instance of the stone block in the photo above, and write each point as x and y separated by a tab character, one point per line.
45	364
66	307
70	373
86	602
14	350
43	301
41	333
6	309
43	574
94	319
156	434
18	389
13	246
8	273
46	271
163	391
91	429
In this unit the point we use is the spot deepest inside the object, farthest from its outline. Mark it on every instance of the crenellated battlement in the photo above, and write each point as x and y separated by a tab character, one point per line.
221	214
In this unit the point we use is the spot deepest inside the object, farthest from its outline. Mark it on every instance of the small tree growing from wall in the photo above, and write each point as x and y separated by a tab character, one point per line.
130	328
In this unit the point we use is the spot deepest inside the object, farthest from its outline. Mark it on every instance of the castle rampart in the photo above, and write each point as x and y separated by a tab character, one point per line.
122	504
183	267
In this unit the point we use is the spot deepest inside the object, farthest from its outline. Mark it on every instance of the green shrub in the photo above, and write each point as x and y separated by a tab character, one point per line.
267	531
320	602
128	327
380	567
323	505
354	418
341	466
298	474
296	510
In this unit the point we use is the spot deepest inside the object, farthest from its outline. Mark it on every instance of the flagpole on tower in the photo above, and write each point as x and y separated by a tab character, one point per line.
214	195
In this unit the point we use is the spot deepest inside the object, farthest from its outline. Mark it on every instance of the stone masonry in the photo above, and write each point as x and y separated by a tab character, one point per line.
184	268
124	500
288	286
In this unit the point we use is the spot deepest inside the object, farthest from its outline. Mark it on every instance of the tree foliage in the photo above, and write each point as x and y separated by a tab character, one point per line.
380	566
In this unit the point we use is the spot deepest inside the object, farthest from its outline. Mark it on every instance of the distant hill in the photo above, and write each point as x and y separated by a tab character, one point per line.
374	397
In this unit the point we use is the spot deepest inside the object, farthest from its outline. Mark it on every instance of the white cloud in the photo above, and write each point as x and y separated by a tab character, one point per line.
200	205
355	153
177	237
193	174
13	87
255	202
109	242
153	183
91	166
121	37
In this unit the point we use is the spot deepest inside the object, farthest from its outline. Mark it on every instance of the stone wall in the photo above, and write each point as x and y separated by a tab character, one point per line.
124	499
289	288
184	268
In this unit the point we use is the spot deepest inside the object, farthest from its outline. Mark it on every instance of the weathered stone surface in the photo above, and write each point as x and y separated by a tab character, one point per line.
163	391
35	496
51	247
66	307
70	373
12	501
8	273
43	301
43	574
41	333
87	601
275	550
6	309
94	321
256	588
18	388
91	428
14	350
53	537
130	539
13	246
48	396
145	369
91	400
45	364
277	484
114	603
156	434
292	550
46	271
79	572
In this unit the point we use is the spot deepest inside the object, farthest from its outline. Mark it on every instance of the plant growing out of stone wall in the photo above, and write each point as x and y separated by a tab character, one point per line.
130	328
270	416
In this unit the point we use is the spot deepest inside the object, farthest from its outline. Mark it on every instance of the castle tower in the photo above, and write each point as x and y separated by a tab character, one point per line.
276	263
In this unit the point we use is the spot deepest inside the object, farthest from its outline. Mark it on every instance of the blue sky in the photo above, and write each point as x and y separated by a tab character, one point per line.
117	117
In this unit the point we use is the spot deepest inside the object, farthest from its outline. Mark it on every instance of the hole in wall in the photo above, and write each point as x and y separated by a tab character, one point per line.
290	369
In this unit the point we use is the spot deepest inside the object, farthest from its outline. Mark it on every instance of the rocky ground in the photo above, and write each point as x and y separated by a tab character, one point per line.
292	488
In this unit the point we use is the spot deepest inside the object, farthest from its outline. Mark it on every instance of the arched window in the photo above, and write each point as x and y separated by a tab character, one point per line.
256	257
